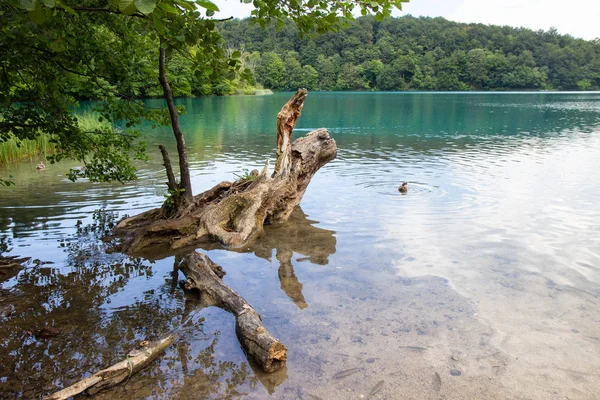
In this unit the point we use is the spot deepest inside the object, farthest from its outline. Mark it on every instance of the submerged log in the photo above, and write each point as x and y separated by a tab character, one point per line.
109	377
204	276
233	212
260	346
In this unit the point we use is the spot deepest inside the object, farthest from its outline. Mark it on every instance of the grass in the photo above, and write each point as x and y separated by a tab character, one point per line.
14	150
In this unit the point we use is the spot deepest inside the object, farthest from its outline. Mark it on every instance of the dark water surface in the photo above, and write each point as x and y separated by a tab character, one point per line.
481	282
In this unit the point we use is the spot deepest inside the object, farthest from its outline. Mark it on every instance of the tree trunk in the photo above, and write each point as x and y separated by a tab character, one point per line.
184	170
233	212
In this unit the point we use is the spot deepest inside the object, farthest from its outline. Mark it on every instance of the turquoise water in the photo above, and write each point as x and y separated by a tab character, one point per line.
489	265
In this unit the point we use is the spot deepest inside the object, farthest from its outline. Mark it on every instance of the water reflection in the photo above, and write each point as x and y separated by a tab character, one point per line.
81	299
496	244
73	302
298	235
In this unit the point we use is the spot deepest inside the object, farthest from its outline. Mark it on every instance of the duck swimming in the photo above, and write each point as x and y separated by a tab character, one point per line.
40	166
403	188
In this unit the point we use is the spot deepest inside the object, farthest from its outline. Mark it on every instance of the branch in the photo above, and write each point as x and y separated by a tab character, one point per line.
117	373
258	343
172	183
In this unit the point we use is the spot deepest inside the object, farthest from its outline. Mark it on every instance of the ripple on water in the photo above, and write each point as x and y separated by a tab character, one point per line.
388	187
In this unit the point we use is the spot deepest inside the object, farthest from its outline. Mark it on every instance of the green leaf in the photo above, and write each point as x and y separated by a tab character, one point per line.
158	24
379	17
236	54
145	6
28	5
186	4
168	8
48	3
209	5
38	15
66	8
127	7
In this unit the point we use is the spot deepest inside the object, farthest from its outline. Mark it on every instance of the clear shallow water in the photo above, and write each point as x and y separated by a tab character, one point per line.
489	265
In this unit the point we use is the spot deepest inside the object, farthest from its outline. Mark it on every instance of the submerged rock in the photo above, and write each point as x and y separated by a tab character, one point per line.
45	332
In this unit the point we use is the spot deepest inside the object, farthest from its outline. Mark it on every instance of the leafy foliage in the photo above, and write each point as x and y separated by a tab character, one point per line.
58	51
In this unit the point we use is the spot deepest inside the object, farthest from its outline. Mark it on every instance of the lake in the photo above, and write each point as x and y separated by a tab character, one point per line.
481	282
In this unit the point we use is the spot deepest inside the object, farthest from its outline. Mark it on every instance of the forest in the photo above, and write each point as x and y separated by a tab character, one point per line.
395	54
410	53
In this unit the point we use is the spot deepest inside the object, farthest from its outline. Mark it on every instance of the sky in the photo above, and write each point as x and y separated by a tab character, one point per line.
579	18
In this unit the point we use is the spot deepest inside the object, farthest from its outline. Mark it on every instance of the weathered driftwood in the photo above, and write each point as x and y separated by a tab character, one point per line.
260	346
232	212
117	373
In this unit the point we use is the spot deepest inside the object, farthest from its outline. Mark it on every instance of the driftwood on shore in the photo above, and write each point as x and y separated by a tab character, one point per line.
231	213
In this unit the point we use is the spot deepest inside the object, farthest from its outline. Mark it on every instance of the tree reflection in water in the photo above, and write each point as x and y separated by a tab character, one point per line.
100	303
297	235
83	297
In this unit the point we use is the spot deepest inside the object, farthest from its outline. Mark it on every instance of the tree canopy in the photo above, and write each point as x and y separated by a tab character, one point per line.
56	52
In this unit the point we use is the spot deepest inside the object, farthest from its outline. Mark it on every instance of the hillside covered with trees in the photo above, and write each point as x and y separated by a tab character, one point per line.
411	53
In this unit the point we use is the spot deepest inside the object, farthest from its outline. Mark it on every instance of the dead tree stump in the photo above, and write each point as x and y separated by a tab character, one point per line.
232	212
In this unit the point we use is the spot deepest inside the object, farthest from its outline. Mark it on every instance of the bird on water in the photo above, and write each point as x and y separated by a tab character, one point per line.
403	188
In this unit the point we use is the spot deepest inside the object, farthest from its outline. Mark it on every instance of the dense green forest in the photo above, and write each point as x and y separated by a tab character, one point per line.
411	53
405	53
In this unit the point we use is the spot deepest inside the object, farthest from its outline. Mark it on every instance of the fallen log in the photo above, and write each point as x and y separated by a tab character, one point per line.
260	346
204	276
109	377
233	212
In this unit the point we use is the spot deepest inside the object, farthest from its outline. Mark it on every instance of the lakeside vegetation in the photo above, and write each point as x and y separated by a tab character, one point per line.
405	53
410	53
14	149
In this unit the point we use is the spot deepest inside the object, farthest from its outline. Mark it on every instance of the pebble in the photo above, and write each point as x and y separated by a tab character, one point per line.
455	372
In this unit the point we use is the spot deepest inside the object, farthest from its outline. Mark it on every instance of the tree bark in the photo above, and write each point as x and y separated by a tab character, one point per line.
232	213
260	346
184	169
